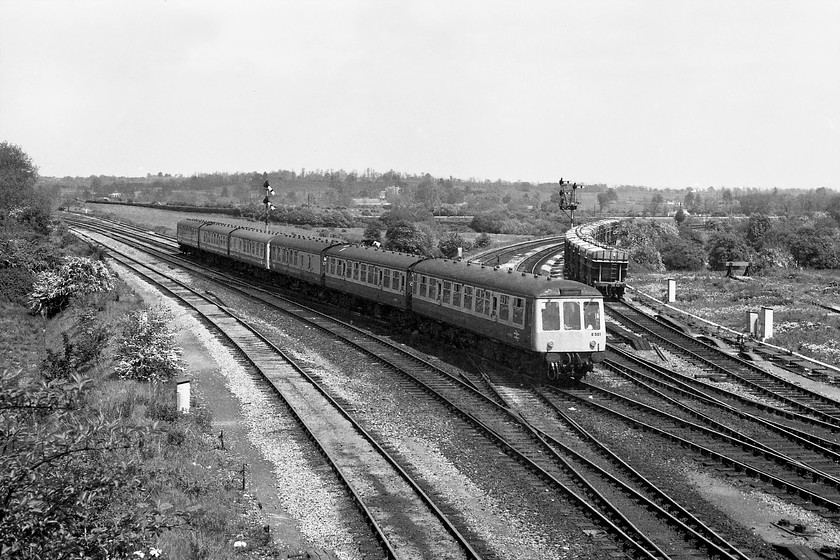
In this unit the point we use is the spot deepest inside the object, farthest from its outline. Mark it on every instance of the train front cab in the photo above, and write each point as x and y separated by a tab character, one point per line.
571	334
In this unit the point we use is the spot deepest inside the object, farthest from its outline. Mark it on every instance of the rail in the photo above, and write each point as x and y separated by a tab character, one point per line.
733	331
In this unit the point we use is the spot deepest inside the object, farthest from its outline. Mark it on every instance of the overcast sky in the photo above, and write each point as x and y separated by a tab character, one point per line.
663	93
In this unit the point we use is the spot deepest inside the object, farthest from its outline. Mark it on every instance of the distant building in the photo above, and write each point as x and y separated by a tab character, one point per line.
368	202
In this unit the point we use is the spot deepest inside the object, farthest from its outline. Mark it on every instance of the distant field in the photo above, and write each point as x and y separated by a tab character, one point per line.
799	325
168	219
152	218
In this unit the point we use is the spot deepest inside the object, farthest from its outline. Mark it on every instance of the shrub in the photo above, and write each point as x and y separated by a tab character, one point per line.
482	241
682	255
146	348
62	469
726	246
52	290
449	245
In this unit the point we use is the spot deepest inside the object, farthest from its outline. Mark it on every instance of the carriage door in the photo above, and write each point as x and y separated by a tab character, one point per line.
495	310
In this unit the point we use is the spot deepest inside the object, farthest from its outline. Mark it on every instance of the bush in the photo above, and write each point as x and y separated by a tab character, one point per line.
682	255
146	348
62	469
726	246
449	245
482	241
52	290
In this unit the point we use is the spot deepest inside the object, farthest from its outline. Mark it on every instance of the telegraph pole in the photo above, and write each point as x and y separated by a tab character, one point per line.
568	201
268	205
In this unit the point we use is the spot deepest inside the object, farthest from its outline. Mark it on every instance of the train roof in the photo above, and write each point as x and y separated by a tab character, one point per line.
252	234
375	255
192	222
219	228
503	279
310	244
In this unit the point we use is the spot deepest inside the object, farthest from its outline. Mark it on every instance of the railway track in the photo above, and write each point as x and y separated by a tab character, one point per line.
713	440
490	421
790	395
357	459
538	452
807	439
517	251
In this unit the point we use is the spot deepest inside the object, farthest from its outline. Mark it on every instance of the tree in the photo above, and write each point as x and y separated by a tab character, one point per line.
655	201
373	231
606	198
816	247
146	349
488	222
757	228
427	193
18	175
681	216
726	246
405	237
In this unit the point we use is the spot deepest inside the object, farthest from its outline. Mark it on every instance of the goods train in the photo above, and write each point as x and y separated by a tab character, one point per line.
548	328
591	260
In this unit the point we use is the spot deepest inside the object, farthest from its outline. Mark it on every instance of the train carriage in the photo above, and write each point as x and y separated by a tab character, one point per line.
215	238
559	320
250	246
187	232
299	257
370	273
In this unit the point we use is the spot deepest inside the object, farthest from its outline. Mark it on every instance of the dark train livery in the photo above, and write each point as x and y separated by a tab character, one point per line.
591	260
550	328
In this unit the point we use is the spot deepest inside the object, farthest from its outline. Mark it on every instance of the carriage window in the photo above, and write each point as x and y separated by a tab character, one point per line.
504	308
402	282
372	275
423	288
363	270
386	279
551	316
456	295
489	309
433	288
355	271
571	315
519	311
479	300
468	294
592	314
447	291
332	266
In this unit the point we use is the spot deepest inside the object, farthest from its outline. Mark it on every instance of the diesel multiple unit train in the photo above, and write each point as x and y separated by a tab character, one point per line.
549	328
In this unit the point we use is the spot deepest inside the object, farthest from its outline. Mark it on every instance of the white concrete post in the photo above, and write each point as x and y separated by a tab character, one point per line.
766	323
752	323
460	253
183	392
672	290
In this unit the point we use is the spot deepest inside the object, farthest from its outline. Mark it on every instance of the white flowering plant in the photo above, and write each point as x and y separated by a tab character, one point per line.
52	289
